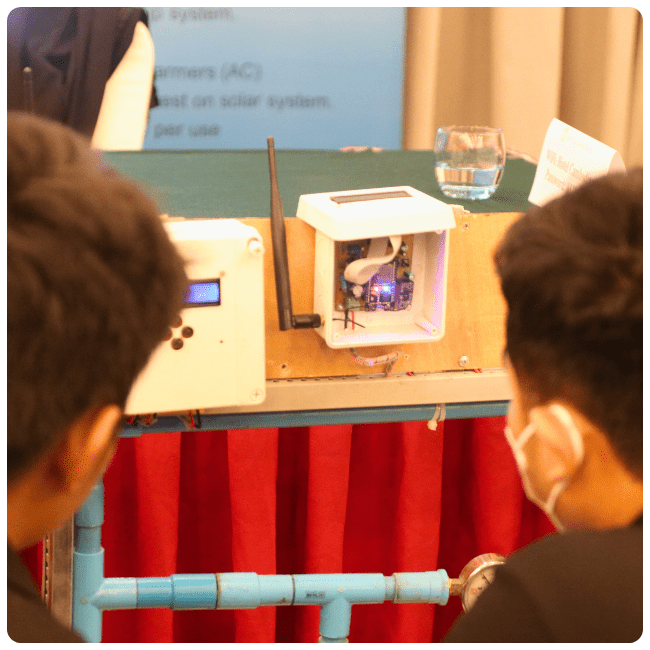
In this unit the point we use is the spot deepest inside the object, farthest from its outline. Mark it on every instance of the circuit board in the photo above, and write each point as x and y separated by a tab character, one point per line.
389	289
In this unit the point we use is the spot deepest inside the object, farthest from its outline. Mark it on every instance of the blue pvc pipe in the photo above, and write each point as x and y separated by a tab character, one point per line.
335	620
427	587
321	589
241	591
334	593
88	566
250	590
116	593
182	591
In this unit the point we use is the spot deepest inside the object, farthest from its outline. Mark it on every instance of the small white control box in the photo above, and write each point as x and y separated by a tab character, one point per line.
214	355
381	260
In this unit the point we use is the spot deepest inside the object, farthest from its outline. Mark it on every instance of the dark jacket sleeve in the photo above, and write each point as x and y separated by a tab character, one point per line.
581	587
28	618
504	613
72	52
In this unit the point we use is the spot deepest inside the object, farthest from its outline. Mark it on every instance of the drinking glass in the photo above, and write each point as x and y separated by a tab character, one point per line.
469	161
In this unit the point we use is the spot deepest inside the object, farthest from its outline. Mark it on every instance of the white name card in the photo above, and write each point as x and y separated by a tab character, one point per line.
568	159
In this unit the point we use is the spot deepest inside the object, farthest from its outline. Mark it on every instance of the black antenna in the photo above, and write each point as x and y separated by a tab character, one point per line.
281	259
28	88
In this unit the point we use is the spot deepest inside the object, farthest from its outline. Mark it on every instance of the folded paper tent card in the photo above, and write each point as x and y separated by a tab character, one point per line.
568	159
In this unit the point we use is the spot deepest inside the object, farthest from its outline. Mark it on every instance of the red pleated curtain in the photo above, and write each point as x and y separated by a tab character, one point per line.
368	498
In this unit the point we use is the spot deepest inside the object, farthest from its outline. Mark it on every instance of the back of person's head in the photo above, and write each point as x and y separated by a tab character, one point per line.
572	274
93	284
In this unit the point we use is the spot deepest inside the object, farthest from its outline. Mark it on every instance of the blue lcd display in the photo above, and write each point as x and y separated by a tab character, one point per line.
203	293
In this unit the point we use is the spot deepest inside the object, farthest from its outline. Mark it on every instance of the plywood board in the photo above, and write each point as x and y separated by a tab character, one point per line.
475	308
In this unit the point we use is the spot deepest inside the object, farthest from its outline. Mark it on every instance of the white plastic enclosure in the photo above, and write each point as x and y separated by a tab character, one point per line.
220	360
374	215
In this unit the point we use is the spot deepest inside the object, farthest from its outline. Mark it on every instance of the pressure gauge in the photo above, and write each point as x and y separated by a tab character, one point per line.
477	575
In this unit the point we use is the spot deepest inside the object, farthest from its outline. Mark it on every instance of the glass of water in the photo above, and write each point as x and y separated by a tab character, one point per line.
469	161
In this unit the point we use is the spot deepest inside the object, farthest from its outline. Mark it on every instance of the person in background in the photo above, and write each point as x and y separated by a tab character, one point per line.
92	69
572	275
93	283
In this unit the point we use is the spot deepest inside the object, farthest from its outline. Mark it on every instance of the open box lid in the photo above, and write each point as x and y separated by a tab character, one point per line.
380	212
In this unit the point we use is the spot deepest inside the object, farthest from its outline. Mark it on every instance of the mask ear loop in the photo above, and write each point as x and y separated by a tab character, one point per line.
570	426
517	446
526	435
559	488
565	419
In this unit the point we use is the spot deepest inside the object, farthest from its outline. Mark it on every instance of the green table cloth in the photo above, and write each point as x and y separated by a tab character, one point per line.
236	183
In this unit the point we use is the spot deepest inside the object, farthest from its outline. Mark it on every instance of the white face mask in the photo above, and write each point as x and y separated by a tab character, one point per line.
560	485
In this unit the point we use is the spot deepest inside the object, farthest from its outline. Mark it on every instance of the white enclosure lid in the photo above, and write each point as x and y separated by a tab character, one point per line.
208	229
380	212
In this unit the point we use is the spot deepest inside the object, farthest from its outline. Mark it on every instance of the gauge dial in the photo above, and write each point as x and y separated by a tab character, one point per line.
477	575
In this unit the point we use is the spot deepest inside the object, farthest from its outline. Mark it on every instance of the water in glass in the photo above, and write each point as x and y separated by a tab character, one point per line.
469	161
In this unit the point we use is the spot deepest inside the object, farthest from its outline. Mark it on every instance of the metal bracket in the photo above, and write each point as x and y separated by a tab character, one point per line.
56	585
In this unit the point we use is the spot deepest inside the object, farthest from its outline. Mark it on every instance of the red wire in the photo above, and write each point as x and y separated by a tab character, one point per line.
192	420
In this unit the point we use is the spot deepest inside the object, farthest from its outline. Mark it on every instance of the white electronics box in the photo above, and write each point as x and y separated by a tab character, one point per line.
381	260
214	355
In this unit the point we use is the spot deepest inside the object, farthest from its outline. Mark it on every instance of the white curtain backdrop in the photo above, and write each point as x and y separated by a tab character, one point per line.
518	67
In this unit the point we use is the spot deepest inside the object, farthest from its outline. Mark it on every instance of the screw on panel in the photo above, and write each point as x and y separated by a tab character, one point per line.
463	361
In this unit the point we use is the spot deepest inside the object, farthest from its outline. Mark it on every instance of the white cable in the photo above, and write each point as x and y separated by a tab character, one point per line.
439	415
360	271
369	361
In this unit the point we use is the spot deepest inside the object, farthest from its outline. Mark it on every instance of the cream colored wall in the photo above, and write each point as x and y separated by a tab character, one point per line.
518	67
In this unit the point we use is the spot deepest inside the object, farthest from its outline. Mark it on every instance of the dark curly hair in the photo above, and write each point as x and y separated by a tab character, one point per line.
93	283
572	274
